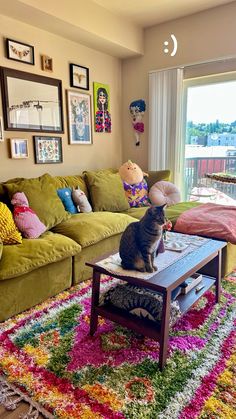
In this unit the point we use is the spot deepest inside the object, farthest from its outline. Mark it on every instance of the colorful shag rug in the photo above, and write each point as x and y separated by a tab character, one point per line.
48	358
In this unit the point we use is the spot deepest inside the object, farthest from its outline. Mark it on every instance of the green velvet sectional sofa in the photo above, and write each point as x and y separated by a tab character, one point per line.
39	268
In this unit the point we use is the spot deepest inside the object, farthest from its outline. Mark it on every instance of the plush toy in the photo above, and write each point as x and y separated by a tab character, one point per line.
81	200
135	185
25	218
137	109
164	192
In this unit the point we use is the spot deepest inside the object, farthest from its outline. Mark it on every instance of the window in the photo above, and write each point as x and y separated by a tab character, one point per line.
210	140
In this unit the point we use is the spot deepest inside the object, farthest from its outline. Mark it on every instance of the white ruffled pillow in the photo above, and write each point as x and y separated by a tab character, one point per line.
164	192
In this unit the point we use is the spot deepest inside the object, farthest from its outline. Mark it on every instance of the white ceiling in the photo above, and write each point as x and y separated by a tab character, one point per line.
151	12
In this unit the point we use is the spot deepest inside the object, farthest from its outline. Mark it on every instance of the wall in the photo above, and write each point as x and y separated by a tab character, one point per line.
106	148
201	37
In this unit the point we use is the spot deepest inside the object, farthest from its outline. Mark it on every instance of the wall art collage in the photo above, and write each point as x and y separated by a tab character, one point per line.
33	103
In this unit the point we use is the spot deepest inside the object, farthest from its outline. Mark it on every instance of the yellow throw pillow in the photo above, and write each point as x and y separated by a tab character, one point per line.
8	231
106	191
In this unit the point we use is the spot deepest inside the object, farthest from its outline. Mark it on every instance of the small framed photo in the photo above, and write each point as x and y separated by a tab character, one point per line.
19	148
46	62
18	51
79	77
47	150
1	129
79	117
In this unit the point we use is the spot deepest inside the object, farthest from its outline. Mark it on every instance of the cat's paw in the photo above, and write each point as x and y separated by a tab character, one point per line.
141	269
149	269
155	268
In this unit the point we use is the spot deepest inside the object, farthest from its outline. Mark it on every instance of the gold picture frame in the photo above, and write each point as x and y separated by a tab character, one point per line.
47	63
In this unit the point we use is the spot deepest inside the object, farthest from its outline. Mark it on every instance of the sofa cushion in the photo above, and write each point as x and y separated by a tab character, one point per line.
72	181
9	234
32	254
136	212
174	211
42	197
157	175
90	228
106	191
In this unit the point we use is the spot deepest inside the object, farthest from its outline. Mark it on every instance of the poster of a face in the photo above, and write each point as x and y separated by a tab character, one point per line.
79	116
102	116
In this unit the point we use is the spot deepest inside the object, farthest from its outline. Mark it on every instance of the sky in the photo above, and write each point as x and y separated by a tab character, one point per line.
211	102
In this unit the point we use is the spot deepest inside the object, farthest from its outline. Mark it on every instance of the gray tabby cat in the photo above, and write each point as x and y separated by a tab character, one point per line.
140	241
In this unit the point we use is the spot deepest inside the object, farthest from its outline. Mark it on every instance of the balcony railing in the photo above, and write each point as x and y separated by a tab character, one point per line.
197	167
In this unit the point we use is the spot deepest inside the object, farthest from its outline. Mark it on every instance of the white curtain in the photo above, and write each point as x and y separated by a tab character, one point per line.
166	143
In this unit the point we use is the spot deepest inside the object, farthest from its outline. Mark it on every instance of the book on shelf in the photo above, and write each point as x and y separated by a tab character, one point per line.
190	283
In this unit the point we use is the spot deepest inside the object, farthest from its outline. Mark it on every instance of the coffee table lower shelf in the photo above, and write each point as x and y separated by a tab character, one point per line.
187	300
148	327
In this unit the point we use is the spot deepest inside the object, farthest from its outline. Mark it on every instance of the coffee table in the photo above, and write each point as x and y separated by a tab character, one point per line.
163	282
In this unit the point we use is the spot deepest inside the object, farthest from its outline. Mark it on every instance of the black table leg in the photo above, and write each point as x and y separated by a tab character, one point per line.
94	302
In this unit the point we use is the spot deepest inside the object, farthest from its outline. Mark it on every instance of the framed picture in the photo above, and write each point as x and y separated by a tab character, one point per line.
31	102
79	76
79	117
46	63
18	51
1	130
48	149
101	100
19	148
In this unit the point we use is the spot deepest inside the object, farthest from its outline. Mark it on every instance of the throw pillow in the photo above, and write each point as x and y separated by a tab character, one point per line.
8	231
42	197
137	194
106	191
163	192
66	198
81	200
25	218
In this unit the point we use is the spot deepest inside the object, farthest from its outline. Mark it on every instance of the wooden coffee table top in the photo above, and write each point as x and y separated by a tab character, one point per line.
170	277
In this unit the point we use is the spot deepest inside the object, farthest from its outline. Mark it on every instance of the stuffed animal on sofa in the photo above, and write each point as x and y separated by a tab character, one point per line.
135	185
81	200
25	218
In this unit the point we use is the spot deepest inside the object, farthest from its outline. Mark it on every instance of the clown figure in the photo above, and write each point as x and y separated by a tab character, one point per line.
137	109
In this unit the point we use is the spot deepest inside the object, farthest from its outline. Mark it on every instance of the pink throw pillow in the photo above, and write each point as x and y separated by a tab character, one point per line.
25	218
164	192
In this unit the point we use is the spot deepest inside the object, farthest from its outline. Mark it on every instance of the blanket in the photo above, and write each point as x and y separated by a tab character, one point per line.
209	220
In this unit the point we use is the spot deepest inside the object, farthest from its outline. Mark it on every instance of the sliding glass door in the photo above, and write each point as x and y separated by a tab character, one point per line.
210	139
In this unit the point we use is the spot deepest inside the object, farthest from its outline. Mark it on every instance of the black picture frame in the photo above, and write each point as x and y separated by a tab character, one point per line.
19	51
47	149
79	77
38	106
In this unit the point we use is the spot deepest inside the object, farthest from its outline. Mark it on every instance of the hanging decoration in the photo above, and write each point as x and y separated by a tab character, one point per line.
137	109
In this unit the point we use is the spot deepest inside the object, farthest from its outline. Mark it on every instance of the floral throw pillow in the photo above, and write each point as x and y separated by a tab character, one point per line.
137	194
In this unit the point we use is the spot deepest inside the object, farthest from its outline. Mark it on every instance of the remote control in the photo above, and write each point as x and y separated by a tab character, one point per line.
199	288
